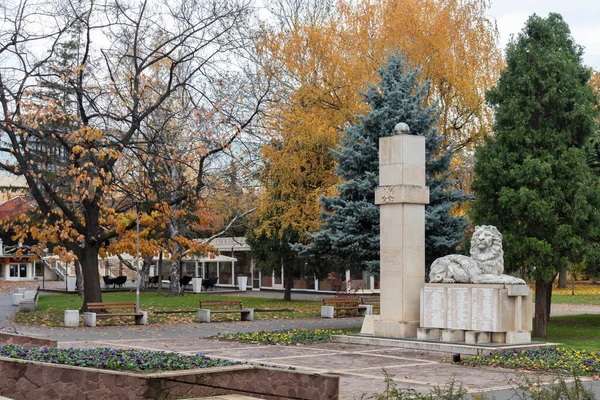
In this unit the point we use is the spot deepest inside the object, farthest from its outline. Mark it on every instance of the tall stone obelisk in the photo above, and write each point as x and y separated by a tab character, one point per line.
402	196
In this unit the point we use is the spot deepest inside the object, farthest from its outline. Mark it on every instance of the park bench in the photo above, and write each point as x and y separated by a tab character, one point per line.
29	301
334	305
224	306
371	300
89	318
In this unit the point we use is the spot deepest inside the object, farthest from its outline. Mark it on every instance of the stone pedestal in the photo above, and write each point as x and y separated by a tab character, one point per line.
203	315
402	196
16	298
474	337
27	306
89	319
249	316
452	335
142	319
71	318
21	290
29	295
368	326
498	313
428	334
327	312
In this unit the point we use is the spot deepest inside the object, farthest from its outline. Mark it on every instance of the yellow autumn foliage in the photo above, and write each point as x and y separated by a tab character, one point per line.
323	66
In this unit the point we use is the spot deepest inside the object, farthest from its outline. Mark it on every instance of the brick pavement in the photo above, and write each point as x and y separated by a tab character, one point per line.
362	369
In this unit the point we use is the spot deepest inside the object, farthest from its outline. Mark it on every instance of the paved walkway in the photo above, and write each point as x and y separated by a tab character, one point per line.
362	369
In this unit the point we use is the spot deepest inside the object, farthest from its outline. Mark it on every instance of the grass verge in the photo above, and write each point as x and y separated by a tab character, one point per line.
51	308
574	332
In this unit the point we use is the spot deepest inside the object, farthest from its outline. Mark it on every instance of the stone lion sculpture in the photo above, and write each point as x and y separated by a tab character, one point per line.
485	265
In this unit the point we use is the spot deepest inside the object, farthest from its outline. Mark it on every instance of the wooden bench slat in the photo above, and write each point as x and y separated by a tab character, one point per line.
119	315
110	307
340	302
111	304
229	311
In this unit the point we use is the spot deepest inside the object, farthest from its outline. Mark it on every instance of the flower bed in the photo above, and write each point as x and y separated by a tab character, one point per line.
293	336
113	359
33	380
560	360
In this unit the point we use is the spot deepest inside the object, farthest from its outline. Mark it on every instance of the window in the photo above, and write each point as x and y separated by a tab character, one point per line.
39	269
18	270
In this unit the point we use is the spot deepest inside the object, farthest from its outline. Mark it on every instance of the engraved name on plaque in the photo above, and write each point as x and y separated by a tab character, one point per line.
485	309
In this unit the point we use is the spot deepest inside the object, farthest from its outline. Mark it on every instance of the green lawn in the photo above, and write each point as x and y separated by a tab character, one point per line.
51	308
575	331
586	299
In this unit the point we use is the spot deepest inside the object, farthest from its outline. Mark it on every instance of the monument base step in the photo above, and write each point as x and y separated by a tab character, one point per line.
436	345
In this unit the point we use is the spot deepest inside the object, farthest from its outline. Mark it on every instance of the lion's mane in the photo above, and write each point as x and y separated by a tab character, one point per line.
491	258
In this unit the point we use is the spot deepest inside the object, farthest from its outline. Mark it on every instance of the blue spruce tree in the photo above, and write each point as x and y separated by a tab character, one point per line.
350	234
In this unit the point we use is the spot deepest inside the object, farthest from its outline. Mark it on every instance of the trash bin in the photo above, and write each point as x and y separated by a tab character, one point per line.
197	285
71	283
242	282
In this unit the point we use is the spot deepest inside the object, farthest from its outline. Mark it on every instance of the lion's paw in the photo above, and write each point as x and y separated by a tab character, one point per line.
448	280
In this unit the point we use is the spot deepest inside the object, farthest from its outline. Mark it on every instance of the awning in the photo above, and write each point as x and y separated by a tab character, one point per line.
220	258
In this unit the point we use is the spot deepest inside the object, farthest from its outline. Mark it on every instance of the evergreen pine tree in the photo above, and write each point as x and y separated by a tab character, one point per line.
532	180
350	234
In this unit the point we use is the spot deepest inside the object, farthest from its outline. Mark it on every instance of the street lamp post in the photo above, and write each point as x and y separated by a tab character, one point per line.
137	258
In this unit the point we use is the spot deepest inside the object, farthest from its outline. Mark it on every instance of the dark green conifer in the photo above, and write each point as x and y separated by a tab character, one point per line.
532	180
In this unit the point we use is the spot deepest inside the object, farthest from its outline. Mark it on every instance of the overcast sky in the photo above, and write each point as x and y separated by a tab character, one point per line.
583	17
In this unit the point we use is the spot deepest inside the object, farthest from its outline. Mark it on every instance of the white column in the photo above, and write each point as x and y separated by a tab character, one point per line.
233	273
347	276
402	196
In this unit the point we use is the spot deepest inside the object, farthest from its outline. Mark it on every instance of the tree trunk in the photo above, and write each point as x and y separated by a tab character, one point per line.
562	277
288	277
79	278
543	293
175	288
91	278
145	274
549	296
160	273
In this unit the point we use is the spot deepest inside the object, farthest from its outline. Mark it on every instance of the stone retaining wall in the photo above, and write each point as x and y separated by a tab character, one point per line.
25	341
30	380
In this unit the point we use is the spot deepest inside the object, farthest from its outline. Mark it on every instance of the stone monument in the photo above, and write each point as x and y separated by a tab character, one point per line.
402	196
470	299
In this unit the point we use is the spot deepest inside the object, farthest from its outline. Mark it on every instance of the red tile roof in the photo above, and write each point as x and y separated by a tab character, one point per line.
15	206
